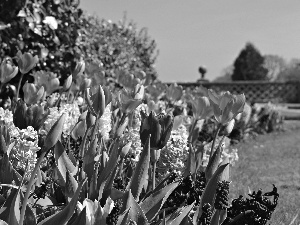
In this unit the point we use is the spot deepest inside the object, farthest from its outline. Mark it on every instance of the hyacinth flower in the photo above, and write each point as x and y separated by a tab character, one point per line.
25	62
32	94
7	70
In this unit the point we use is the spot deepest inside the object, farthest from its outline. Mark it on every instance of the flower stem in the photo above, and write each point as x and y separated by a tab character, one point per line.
19	86
31	181
192	130
153	178
214	141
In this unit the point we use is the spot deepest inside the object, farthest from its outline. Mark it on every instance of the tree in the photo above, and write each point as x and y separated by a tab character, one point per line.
291	71
249	65
118	46
47	28
226	75
275	66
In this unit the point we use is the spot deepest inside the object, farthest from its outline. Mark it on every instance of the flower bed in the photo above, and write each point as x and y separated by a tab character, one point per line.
86	153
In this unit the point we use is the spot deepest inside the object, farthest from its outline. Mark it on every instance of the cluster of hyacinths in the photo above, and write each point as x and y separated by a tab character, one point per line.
87	154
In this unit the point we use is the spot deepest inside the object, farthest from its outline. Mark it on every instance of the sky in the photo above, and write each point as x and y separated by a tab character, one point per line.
193	33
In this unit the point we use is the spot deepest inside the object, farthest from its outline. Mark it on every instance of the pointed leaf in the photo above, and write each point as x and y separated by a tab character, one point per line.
54	134
215	218
179	215
226	173
71	185
135	213
88	160
123	218
152	205
10	211
80	219
3	222
213	164
63	216
191	162
6	172
62	160
111	164
208	195
141	171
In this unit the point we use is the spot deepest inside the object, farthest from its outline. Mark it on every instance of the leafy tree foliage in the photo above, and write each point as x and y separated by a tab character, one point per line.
60	34
291	72
249	65
118	46
47	28
275	66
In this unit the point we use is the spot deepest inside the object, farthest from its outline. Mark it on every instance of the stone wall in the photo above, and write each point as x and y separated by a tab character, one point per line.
257	91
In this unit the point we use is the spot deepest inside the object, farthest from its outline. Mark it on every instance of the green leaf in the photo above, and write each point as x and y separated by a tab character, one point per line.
135	213
191	162
6	172
3	222
241	217
215	220
177	217
54	134
208	195
10	211
29	216
123	218
71	185
80	219
139	176
111	164
62	160
226	173
63	216
155	201
186	221
88	160
213	164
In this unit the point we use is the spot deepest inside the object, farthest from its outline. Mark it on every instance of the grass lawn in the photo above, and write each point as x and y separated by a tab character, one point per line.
271	159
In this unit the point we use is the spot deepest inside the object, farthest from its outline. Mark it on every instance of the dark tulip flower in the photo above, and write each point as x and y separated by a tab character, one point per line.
159	127
24	116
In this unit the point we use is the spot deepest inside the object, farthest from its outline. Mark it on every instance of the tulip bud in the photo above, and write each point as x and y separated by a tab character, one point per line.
98	99
83	115
79	69
229	127
89	102
26	62
31	94
155	155
125	149
85	84
54	133
139	92
121	128
90	119
51	101
67	83
7	70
